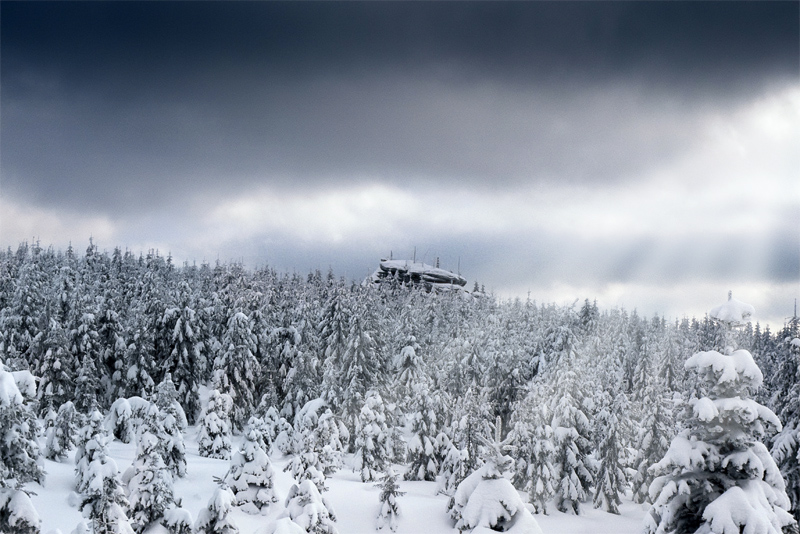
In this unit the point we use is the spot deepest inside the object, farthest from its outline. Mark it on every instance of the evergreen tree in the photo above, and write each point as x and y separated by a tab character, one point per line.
214	518
103	500
372	436
140	364
786	445
150	488
87	387
652	441
363	367
184	352
421	448
611	480
486	499
56	384
571	430
251	477
61	436
389	512
307	508
19	459
236	370
717	476
215	427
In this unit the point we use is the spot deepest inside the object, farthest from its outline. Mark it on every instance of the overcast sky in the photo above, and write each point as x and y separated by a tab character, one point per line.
641	153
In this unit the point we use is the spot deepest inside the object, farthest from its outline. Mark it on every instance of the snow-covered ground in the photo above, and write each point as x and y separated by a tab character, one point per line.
355	503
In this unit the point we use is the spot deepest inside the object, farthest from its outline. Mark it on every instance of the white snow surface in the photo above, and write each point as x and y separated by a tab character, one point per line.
733	311
422	510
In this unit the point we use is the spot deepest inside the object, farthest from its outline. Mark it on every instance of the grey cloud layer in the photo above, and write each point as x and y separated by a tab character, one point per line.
123	106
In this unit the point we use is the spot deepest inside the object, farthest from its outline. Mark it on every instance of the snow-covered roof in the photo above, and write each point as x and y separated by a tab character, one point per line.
408	270
734	311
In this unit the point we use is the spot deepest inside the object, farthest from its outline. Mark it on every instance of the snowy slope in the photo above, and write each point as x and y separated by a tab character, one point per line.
355	503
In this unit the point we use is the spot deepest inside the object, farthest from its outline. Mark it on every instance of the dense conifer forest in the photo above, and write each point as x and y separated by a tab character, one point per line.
570	405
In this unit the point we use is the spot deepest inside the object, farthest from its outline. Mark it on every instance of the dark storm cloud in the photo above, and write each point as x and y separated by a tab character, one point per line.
124	105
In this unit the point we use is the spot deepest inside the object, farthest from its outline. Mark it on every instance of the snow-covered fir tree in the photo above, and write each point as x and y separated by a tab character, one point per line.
103	502
372	439
236	370
532	444
786	445
390	510
717	476
251	477
487	501
19	459
424	464
215	427
653	438
150	489
214	518
571	431
87	386
177	520
61	436
306	507
611	481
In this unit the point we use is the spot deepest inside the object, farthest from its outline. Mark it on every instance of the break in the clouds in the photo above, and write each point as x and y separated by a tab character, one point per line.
640	152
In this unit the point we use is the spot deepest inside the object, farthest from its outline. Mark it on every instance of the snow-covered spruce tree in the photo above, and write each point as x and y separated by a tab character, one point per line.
334	328
611	480
177	520
372	436
215	427
213	519
236	370
363	365
390	510
251	477
57	379
140	364
87	386
84	452
422	446
329	436
170	438
17	513
61	436
487	501
119	420
653	438
179	331
531	441
410	368
786	445
309	509
571	430
103	501
167	402
150	489
307	466
717	477
19	459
